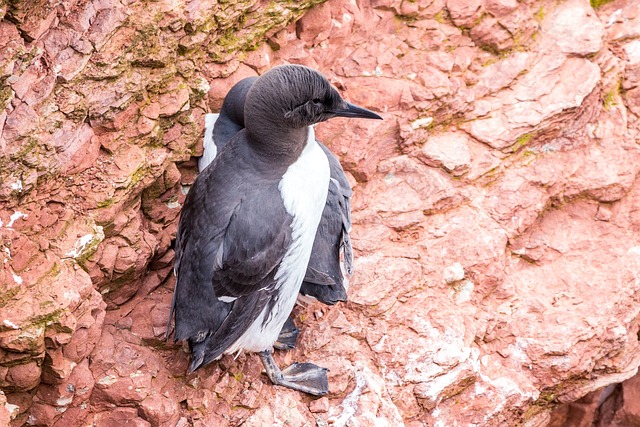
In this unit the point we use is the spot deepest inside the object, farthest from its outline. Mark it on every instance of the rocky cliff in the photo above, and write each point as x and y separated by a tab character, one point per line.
496	208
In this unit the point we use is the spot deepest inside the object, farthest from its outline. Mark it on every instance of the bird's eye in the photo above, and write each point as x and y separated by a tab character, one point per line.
316	101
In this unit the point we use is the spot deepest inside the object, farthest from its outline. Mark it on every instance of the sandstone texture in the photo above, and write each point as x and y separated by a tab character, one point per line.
496	210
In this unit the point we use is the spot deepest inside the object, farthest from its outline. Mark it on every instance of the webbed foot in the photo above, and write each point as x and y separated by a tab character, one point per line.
305	377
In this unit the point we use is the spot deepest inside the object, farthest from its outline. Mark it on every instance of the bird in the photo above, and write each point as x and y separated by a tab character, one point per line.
332	252
248	224
220	128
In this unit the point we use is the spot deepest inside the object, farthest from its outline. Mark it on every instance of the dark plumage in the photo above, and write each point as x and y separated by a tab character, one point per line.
229	122
248	223
324	279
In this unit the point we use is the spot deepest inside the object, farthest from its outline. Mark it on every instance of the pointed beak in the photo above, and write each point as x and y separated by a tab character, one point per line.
351	110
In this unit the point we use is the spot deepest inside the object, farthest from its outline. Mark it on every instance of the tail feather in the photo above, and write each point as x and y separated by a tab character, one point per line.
211	345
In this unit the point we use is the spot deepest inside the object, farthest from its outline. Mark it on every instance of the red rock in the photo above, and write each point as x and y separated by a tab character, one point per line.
56	367
6	410
464	12
575	28
28	78
90	318
613	405
110	16
79	150
174	101
23	377
341	139
119	417
69	63
72	417
42	415
491	34
285	408
159	409
26	339
449	151
19	123
315	26
319	405
126	259
633	100
37	20
409	186
502	73
495	210
500	7
82	382
521	116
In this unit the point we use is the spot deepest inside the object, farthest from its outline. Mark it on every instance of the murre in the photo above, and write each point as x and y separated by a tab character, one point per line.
248	225
332	254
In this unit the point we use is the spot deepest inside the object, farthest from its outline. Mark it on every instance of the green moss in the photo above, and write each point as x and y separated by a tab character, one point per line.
6	94
79	113
90	248
53	272
549	396
610	97
532	411
8	295
237	376
490	61
44	320
597	3
146	47
520	40
407	19
522	140
236	36
27	148
123	194
137	176
609	100
441	17
106	203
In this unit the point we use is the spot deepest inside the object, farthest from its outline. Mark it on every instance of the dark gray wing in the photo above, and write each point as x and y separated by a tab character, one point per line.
224	129
244	268
324	279
232	235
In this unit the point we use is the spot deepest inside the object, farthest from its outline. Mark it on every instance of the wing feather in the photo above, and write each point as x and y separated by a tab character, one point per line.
226	247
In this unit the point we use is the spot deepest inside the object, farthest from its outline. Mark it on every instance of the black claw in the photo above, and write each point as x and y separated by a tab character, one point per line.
288	336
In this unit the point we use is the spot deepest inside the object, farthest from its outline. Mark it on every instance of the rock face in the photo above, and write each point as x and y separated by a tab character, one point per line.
496	210
616	405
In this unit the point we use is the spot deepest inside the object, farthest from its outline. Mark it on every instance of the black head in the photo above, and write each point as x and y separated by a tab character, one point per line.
294	96
233	104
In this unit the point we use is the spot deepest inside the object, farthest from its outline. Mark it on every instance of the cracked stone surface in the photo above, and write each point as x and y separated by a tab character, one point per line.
496	210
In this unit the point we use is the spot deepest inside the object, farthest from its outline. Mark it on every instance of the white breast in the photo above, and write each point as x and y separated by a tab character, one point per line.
208	145
303	188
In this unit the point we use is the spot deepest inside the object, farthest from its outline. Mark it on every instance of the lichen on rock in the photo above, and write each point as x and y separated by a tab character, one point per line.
495	208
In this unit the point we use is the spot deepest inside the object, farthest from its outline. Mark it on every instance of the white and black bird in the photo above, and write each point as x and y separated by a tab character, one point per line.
220	128
248	225
332	253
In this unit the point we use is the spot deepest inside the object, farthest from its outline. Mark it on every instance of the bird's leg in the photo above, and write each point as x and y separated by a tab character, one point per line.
288	336
305	377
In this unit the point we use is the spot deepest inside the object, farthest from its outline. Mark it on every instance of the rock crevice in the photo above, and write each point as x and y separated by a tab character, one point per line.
495	209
